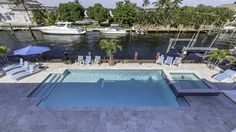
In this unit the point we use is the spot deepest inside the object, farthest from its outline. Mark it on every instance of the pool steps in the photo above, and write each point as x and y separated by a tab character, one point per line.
53	88
48	86
42	85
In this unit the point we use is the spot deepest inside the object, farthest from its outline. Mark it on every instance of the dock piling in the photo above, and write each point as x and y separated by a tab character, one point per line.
32	34
12	30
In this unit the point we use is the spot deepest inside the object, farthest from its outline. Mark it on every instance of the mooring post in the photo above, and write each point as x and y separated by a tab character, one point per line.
32	34
168	48
184	54
3	29
12	30
158	55
136	55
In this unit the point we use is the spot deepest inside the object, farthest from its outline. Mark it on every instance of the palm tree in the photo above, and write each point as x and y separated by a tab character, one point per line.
50	17
23	2
162	3
146	3
110	47
177	2
218	56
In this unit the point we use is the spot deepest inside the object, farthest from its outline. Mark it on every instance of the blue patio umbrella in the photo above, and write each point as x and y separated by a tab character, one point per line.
31	50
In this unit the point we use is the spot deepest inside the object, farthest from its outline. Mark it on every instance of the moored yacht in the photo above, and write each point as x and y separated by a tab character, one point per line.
63	28
230	26
141	31
113	29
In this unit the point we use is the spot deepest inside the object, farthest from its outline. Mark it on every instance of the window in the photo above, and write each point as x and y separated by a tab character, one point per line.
8	17
2	17
26	19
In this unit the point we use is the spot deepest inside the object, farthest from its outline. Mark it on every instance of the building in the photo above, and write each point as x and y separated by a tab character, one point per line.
16	14
230	6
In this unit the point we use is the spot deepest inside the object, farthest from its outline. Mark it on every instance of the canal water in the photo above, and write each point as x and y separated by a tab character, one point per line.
147	46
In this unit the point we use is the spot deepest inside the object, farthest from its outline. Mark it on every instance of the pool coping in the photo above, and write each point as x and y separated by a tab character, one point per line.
39	99
179	91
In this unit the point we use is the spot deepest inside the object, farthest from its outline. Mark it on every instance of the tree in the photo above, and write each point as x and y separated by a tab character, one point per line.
110	47
38	16
146	3
162	3
98	13
218	56
167	3
23	3
125	13
71	11
51	17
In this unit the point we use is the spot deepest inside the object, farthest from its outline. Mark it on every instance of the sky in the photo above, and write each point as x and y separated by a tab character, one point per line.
111	3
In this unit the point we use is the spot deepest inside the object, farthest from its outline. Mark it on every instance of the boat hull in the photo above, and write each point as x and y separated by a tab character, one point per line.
63	32
113	31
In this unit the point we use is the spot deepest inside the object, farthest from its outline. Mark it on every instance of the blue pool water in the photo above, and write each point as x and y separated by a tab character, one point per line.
107	88
189	81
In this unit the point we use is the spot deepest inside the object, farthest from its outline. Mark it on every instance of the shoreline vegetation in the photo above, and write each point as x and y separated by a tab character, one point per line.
147	29
166	14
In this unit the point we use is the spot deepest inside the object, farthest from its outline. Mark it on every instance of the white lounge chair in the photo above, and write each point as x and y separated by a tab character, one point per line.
31	70
225	75
169	60
97	60
160	60
177	61
20	69
13	66
88	60
80	60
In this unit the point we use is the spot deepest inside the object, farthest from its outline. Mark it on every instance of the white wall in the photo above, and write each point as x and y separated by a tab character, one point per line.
16	18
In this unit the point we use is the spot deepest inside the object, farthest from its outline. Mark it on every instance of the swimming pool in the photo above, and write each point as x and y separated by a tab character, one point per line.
106	88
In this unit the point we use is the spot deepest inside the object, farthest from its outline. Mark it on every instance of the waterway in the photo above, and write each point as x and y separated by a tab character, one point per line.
147	46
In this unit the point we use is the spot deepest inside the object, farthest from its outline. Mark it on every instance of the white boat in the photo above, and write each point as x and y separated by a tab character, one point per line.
230	26
63	28
113	29
141	31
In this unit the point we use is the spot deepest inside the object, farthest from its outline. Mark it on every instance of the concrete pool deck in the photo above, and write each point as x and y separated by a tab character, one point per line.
206	113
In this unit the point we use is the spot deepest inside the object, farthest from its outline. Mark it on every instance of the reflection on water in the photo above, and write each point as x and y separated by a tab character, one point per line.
146	45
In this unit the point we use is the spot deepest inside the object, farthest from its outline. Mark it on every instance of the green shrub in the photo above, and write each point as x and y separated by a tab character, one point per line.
3	49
